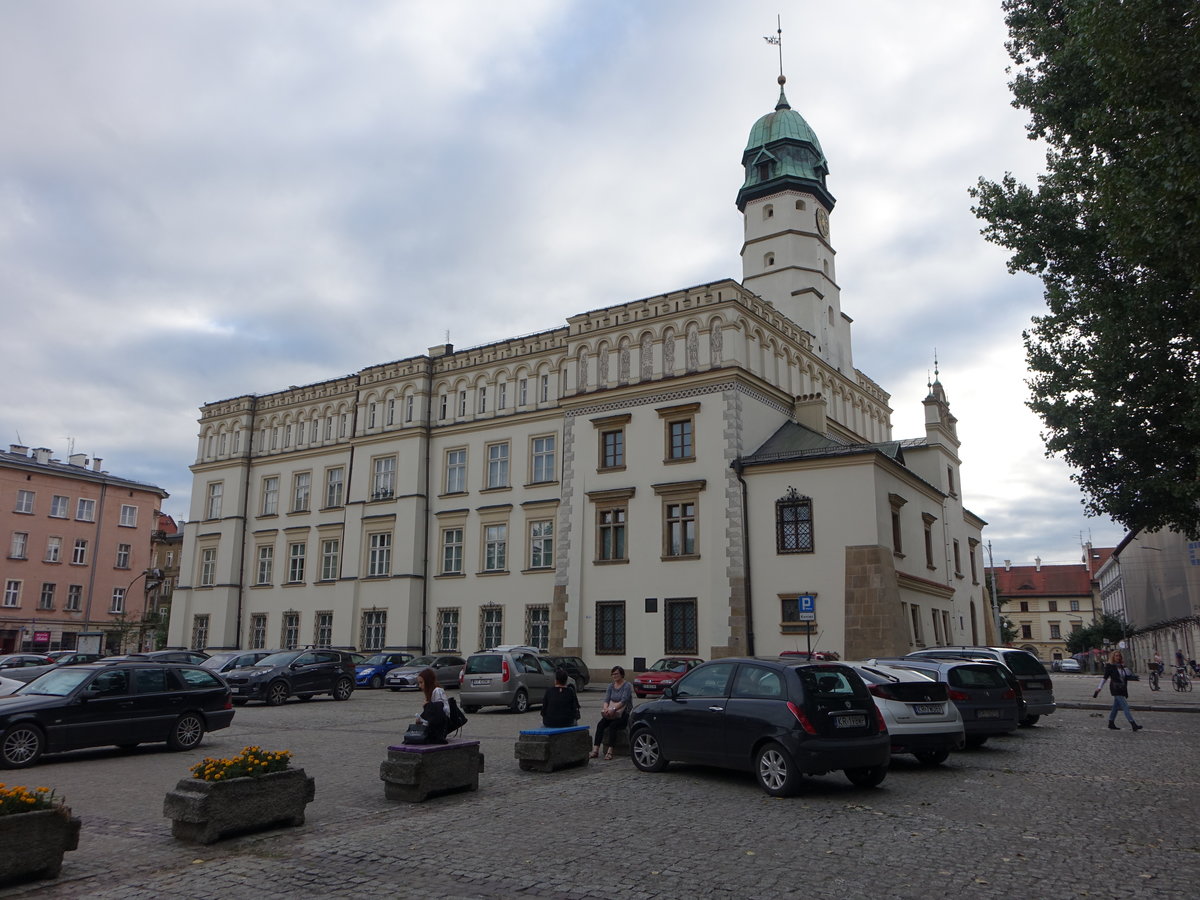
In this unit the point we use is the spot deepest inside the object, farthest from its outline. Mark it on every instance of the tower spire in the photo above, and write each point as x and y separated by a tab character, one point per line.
778	42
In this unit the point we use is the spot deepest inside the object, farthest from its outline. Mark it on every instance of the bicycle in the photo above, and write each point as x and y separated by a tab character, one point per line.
1180	681
1153	678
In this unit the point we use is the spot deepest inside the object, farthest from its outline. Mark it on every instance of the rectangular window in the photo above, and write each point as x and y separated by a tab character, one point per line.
462	404
456	471
24	502
497	466
491	626
371	408
323	629
681	529
208	568
611	533
374	627
789	617
522	391
680	440
537	627
971	545
915	613
379	554
46	600
682	629
447	624
79	554
54	549
123	553
212	507
117	606
442	406
343	425
541	544
612	449
199	632
329	428
301	491
793	524
128	516
296	555
391	411
85	510
545	388
12	593
291	630
452	551
335	480
1053	606
270	495
542	453
1027	632
331	550
957	560
610	628
408	408
74	597
60	507
383	478
502	395
1074	606
266	561
928	520
19	545
937	630
258	632
495	548
287	436
1055	631
1024	606
482	398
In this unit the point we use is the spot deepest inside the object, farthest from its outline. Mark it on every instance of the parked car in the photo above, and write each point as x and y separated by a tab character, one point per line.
192	657
304	673
372	670
920	718
93	705
357	657
448	670
73	657
22	660
9	685
666	671
576	668
815	654
224	660
980	689
1036	690
776	718
516	678
26	674
1069	665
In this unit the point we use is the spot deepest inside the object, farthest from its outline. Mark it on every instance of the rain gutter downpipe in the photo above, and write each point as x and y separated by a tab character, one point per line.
738	467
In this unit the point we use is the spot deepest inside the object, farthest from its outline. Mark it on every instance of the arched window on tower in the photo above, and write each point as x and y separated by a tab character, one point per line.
800	204
768	211
769	260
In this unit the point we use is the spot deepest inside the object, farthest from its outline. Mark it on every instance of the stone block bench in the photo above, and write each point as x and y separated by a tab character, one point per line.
550	749
413	772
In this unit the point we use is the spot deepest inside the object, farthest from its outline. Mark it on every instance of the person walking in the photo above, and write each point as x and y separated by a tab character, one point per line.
1117	677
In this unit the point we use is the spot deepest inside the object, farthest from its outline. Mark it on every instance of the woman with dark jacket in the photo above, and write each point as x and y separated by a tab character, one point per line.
435	715
560	706
1117	677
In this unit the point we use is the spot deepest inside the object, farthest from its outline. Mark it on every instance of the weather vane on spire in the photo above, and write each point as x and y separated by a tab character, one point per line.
778	42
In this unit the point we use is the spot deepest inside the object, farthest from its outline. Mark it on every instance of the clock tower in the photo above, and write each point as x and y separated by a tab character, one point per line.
787	257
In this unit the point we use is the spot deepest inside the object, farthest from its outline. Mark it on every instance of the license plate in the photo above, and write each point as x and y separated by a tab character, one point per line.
480	682
928	709
1033	685
988	714
850	722
238	690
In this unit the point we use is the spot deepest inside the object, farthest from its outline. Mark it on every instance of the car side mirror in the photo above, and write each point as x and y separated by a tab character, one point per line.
669	692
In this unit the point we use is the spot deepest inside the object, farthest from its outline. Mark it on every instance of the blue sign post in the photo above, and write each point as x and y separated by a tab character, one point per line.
808	613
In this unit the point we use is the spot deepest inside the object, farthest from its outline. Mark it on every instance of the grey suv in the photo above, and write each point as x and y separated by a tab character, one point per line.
1036	692
304	673
512	677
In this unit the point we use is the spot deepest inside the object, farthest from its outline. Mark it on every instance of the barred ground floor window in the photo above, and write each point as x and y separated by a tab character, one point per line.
374	629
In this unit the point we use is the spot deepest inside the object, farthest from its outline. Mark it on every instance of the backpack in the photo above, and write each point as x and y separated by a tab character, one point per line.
457	717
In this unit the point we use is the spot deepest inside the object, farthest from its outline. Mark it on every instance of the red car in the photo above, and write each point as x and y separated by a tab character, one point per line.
666	671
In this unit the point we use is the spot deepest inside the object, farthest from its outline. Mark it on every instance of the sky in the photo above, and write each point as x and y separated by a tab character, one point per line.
207	198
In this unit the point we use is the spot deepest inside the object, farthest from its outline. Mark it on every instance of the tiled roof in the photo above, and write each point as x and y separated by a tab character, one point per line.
1051	581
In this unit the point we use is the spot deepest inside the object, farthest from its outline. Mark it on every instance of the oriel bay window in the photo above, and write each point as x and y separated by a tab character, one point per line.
793	523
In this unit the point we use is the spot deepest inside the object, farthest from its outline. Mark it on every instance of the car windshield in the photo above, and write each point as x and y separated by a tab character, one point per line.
378	659
669	665
486	664
1023	663
277	659
420	661
57	682
978	676
215	662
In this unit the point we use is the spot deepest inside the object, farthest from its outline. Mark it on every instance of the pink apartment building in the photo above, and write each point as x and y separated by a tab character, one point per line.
78	552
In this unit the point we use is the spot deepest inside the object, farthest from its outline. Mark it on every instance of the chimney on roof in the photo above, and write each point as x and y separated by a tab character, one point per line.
42	455
78	459
1037	564
1007	565
441	350
19	449
96	464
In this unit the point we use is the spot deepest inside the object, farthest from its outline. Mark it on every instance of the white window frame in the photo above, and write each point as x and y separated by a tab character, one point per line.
117	603
85	510
541	544
456	470
452	550
74	598
448	635
25	501
212	502
265	564
495	547
128	516
497	465
18	547
383	477
301	491
60	507
379	554
335	486
12	593
54	549
331	552
124	552
374	629
270	495
79	552
543	454
297	555
208	567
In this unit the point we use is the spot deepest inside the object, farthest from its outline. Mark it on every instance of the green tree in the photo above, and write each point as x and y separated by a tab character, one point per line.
1113	231
1108	628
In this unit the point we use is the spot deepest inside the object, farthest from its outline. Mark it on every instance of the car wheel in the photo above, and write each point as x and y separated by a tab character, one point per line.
1029	720
776	771
187	732
343	689
21	746
647	752
932	757
520	702
239	701
868	776
470	708
976	740
277	693
641	696
377	682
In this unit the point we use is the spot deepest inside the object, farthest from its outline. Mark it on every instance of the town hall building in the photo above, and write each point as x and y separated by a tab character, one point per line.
701	472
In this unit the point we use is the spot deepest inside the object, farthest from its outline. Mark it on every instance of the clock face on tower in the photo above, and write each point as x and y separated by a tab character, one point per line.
822	222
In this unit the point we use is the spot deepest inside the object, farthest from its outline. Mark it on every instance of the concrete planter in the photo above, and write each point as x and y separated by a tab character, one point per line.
32	844
206	811
551	749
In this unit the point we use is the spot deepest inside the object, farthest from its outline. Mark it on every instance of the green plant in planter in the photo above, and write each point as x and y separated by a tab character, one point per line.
251	762
17	799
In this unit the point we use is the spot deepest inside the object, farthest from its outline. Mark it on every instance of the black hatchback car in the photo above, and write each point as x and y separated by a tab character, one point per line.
778	719
126	704
303	673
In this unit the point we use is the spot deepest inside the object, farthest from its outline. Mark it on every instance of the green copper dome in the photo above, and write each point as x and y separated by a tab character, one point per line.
783	152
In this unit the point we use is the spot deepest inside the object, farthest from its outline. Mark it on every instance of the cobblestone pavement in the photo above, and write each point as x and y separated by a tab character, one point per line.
1064	809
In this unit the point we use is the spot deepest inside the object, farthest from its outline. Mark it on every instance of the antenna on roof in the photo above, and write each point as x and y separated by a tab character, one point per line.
778	42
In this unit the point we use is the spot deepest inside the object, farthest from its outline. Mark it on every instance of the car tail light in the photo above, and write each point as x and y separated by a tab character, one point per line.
879	719
462	673
801	718
228	700
958	696
881	690
504	670
1010	694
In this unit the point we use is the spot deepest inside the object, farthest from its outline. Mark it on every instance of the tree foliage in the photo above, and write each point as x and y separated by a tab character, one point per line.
1113	231
1108	628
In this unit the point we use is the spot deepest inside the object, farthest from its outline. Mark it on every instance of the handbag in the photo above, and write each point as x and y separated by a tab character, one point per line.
417	733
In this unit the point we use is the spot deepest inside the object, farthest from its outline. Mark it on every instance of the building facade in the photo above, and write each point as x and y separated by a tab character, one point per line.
703	472
78	545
